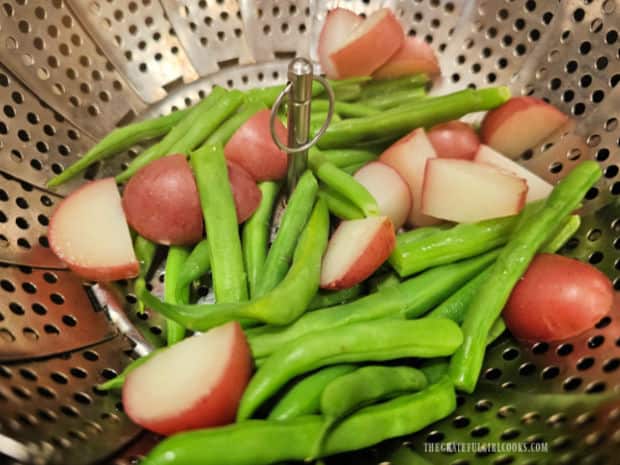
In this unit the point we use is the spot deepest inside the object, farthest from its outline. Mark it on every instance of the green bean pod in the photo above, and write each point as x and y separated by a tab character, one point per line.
255	235
175	261
344	184
304	398
267	441
296	214
394	99
223	133
347	157
145	251
195	266
352	169
282	305
409	299
389	86
218	207
360	342
324	299
510	266
425	113
340	206
346	109
118	140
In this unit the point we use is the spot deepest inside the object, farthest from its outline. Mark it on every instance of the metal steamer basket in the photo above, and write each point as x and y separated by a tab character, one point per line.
72	70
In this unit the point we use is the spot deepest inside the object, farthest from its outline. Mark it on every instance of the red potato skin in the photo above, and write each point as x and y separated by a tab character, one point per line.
378	251
415	56
252	148
326	37
454	139
557	298
246	193
161	202
219	407
367	53
496	117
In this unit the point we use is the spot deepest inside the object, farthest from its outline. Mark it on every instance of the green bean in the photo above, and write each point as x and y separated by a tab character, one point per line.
347	157
384	281
269	441
118	381
360	342
218	207
348	93
409	237
317	123
118	140
195	267
427	112
255	235
510	266
344	109
566	232
395	99
145	251
268	95
339	206
448	245
330	298
435	369
177	256
409	299
317	118
304	398
191	131
352	169
362	387
389	86
282	305
223	134
294	219
344	184
497	329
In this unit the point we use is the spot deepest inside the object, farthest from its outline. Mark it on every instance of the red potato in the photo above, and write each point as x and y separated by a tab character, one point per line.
537	188
370	45
162	204
464	191
338	27
88	232
415	56
255	151
408	157
246	193
557	298
389	189
520	124
196	383
355	251
454	139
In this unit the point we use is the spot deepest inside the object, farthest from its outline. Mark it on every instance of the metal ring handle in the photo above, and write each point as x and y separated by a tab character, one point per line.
276	107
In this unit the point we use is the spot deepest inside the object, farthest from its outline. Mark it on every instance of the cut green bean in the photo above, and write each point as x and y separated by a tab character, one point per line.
384	281
388	86
294	219
344	184
282	305
511	264
118	140
145	251
339	206
409	299
226	130
218	207
425	113
393	100
255	235
347	157
326	299
304	398
345	109
352	169
177	256
409	237
195	267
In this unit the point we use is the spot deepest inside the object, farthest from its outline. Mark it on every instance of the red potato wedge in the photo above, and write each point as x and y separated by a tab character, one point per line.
246	193
162	204
537	188
415	56
255	151
408	157
338	27
355	251
519	124
389	189
464	191
196	383
88	232
454	139
370	45
557	298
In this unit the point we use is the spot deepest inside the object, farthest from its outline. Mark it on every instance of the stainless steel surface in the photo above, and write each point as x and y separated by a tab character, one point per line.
71	70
